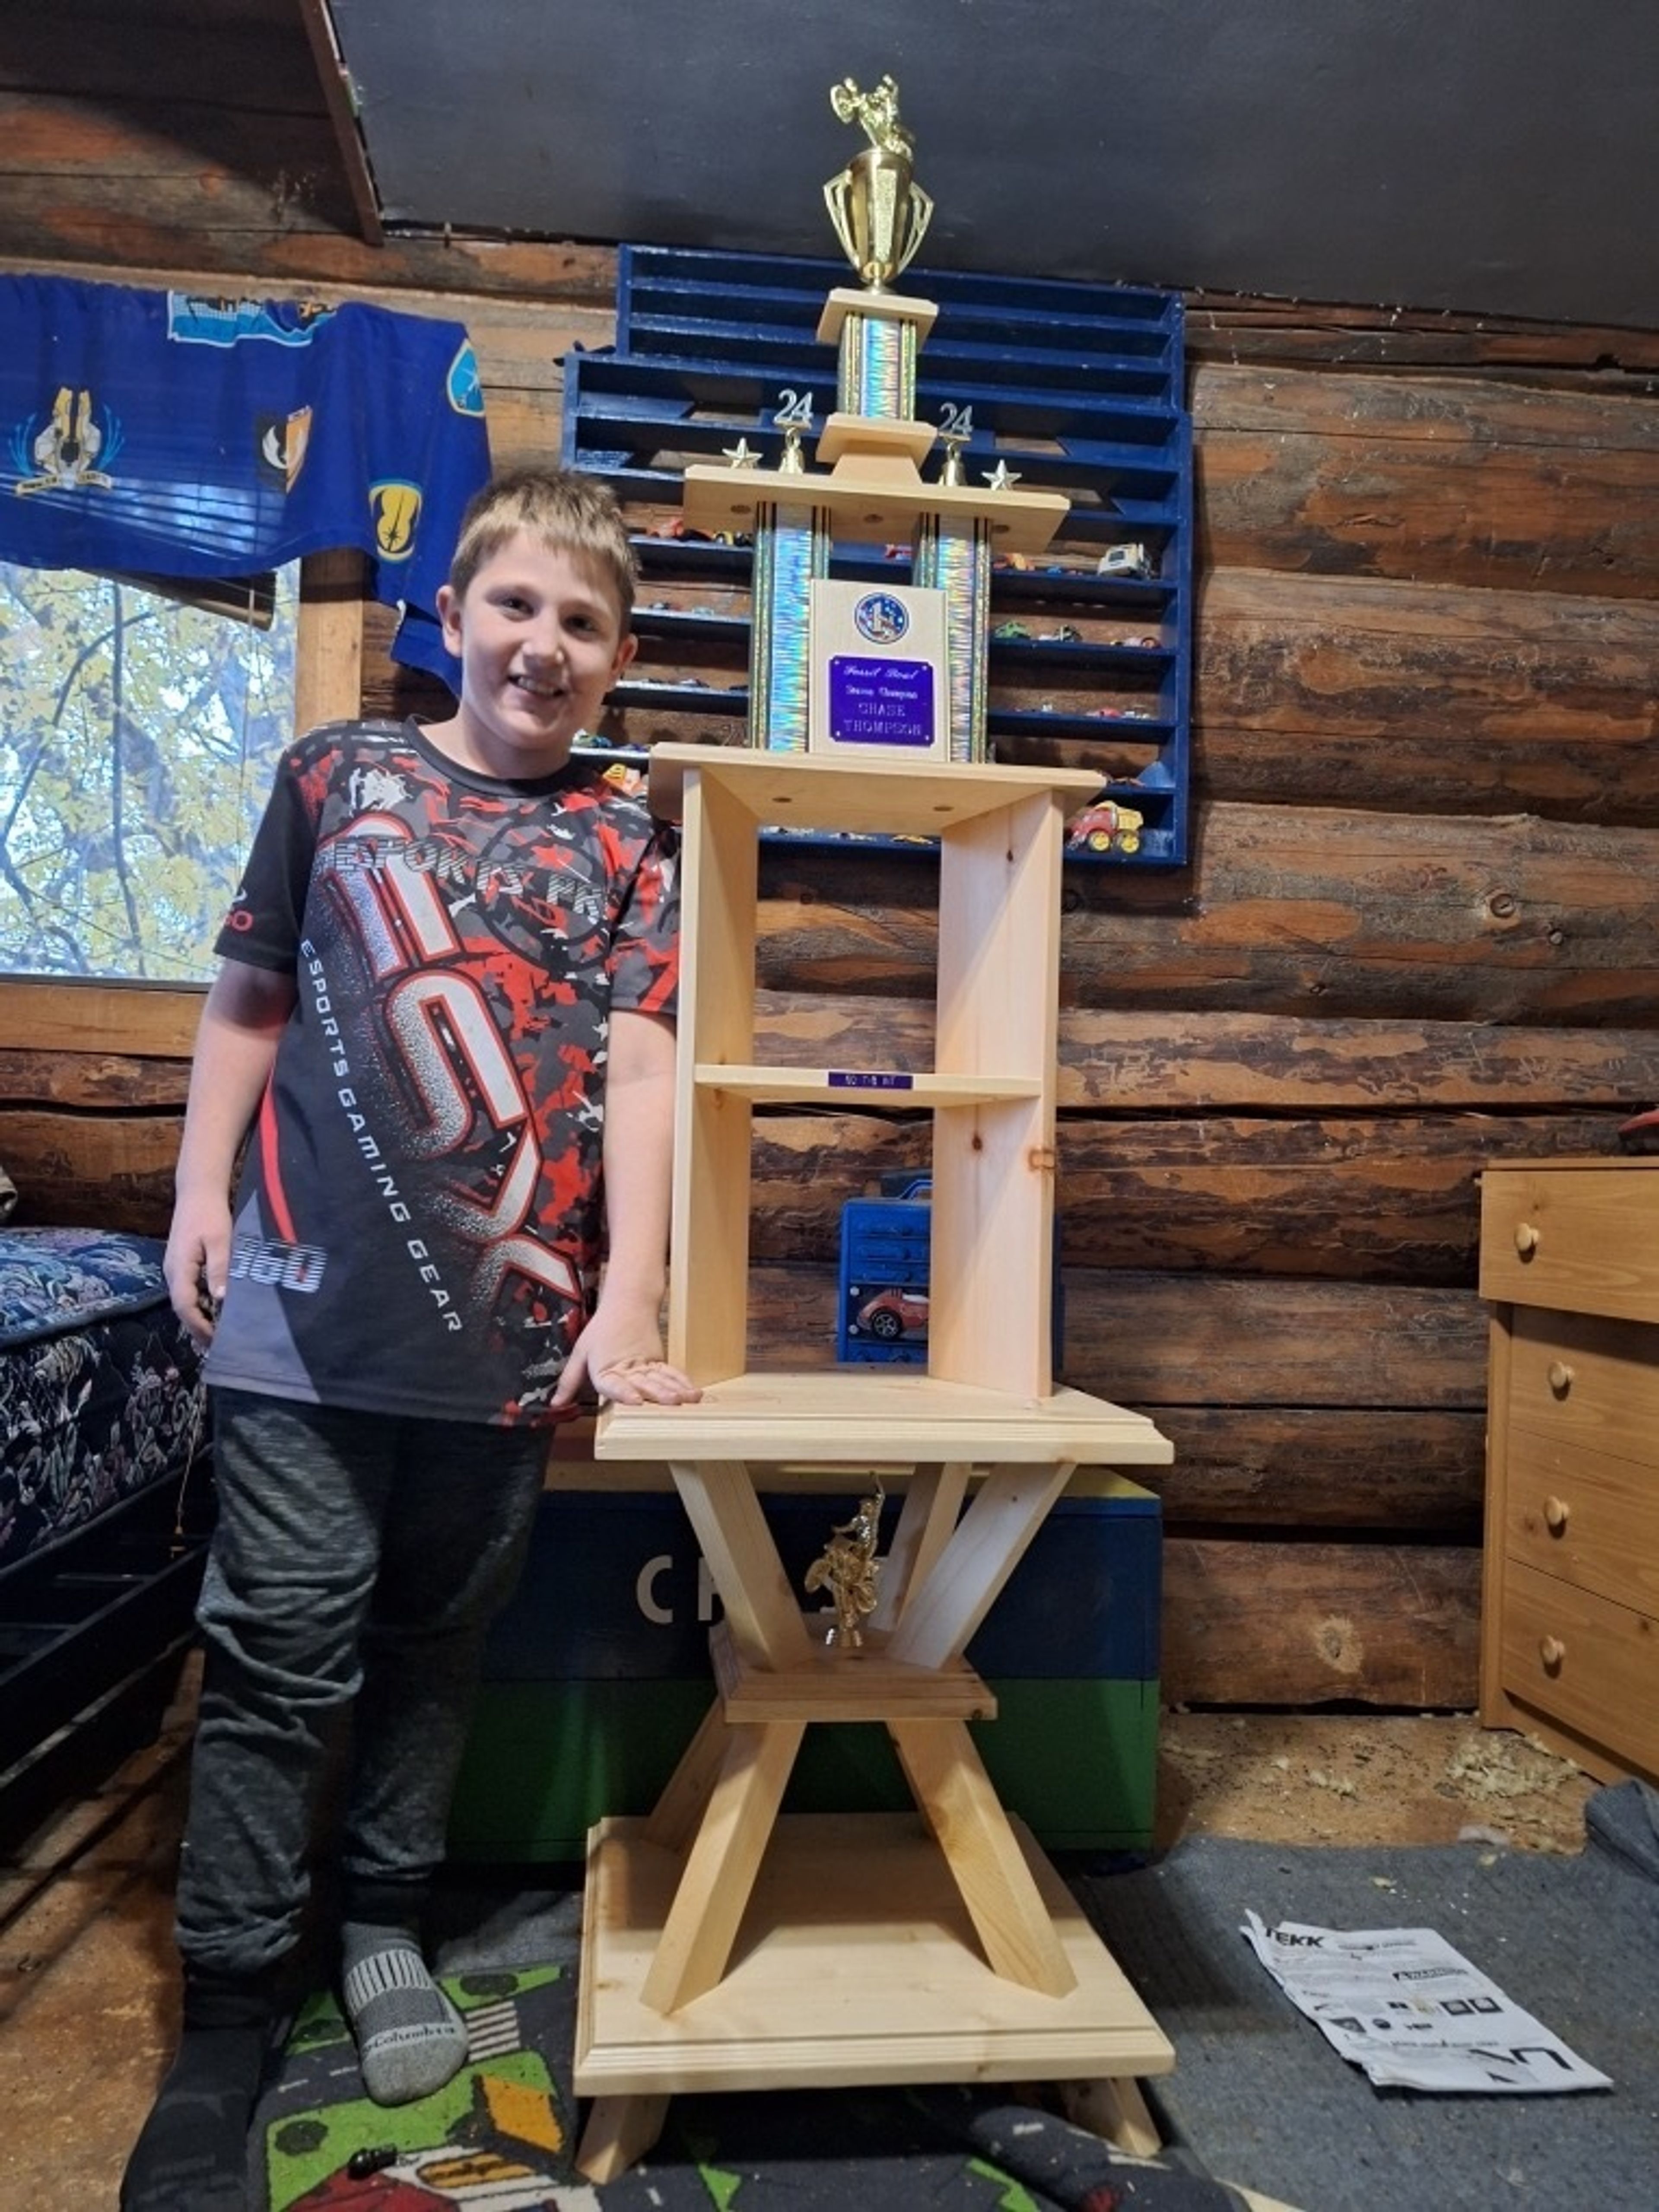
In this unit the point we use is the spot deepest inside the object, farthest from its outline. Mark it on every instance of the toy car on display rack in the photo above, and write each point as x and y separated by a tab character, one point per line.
1129	560
893	1313
1105	827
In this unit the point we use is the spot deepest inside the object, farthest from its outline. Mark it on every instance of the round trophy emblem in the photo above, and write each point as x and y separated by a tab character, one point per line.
881	617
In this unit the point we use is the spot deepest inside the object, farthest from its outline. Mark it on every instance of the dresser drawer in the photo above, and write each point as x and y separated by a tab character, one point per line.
1591	1519
1582	1661
1581	1239
1584	1381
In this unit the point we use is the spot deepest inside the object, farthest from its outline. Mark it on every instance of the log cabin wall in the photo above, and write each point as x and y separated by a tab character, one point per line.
1417	934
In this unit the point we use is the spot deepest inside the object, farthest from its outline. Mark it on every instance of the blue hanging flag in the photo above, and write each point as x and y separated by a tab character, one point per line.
191	435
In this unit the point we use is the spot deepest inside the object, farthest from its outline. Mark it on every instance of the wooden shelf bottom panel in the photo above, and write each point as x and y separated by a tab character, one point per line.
855	1964
879	1417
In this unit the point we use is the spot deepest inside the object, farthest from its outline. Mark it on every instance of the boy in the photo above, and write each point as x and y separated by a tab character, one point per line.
445	1012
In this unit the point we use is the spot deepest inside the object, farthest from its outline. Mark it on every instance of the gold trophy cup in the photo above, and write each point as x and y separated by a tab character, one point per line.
879	211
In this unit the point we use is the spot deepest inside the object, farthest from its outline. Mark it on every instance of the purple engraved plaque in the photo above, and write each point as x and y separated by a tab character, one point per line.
880	702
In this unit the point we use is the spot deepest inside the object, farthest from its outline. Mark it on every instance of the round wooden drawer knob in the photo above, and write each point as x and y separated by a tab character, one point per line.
1552	1650
1559	1377
1555	1513
1526	1239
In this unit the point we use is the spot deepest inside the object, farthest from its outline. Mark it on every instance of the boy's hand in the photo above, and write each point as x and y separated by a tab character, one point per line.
196	1264
619	1353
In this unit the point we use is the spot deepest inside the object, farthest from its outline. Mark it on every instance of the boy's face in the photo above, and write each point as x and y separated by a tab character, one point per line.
538	635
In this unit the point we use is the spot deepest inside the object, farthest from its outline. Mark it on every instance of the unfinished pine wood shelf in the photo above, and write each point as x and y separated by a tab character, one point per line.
725	1945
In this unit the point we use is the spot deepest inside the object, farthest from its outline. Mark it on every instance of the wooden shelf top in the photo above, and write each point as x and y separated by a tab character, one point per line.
879	1417
805	791
870	509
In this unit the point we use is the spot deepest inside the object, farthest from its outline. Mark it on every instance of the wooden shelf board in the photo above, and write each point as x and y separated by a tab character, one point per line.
804	791
879	1418
726	498
846	1683
855	1964
893	1086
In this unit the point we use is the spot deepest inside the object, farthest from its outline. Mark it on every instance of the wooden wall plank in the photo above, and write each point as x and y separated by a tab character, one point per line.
1146	1060
1338	1468
1150	1340
105	1081
85	1170
1441	481
1388	1199
1376	916
1230	327
49	1014
1314	1624
1426	699
115	186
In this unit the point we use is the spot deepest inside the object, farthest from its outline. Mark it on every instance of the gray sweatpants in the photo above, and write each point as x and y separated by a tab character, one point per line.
358	1561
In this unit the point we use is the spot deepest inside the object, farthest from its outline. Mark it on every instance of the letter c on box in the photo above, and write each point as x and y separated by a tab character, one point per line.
644	1590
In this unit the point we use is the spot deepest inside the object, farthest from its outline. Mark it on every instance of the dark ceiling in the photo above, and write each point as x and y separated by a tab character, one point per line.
1487	157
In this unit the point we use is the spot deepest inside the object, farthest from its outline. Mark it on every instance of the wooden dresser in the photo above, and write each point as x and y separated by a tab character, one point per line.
1569	1617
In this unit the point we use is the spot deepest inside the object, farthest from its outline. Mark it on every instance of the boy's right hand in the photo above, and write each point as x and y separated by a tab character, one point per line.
196	1264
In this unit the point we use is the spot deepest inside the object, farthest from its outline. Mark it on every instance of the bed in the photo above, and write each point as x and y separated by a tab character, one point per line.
103	1493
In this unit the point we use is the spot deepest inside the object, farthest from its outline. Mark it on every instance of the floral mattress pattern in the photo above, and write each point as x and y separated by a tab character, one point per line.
100	1389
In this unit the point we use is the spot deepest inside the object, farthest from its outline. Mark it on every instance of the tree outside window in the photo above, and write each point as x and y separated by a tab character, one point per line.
138	737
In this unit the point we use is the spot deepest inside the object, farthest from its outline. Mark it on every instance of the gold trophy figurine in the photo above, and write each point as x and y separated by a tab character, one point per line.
848	1568
878	210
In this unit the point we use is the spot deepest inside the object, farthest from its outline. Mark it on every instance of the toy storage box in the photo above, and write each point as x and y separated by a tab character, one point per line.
598	1675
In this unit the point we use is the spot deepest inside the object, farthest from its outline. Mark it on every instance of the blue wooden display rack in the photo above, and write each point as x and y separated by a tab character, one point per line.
1076	388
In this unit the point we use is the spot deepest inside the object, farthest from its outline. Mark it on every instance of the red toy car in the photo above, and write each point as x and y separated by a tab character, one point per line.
894	1313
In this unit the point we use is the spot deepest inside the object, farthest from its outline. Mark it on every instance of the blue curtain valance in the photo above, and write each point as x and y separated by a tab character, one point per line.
190	435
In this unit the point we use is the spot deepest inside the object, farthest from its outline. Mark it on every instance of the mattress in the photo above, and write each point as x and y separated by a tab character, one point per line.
101	1391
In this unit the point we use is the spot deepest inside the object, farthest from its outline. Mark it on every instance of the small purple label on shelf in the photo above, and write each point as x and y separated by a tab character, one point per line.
870	1079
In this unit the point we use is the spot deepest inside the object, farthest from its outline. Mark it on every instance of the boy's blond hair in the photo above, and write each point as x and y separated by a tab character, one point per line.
567	512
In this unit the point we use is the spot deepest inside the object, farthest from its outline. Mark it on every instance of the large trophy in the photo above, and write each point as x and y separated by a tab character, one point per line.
893	669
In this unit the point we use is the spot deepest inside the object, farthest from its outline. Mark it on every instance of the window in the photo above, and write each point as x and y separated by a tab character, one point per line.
138	737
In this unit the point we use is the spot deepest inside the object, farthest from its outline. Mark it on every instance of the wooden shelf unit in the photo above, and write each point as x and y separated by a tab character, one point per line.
991	1087
724	1946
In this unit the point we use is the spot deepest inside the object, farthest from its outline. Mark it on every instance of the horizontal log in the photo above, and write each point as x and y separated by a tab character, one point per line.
1360	1199
1175	1060
1231	327
1440	480
92	1170
1285	909
1150	1341
1350	1202
104	189
113	1082
1257	1623
53	1014
1401	1471
1425	699
1127	1063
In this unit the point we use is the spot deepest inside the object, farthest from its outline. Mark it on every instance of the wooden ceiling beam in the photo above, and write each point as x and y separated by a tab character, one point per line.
339	94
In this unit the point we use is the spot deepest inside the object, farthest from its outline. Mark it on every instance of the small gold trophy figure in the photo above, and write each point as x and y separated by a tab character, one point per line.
878	208
848	1568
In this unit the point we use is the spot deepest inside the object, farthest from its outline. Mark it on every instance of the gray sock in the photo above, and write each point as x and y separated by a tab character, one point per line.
411	2039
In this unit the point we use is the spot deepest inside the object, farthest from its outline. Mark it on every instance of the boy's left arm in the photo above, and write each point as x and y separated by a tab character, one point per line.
620	1350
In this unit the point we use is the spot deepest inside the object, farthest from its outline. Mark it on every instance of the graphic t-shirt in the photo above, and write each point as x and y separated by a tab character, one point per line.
418	1228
